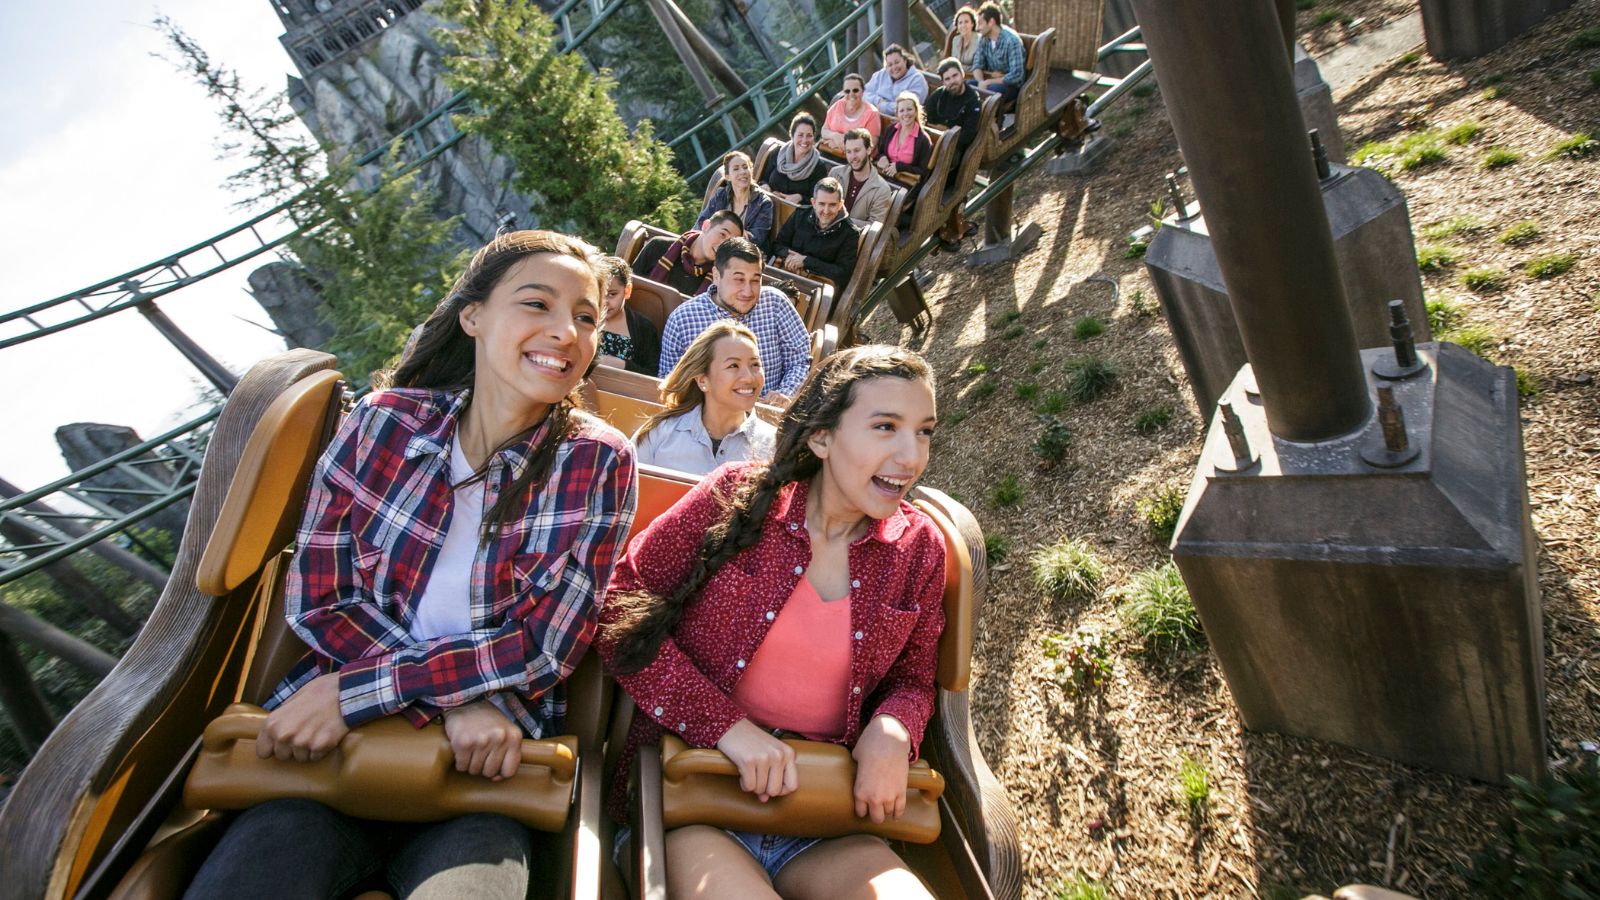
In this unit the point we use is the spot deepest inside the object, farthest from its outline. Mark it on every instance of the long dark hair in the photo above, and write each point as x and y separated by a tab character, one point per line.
442	357
643	619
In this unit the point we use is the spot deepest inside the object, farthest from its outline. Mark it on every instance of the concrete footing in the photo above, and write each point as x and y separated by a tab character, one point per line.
1377	262
1457	29
1316	104
1021	241
1083	160
1386	601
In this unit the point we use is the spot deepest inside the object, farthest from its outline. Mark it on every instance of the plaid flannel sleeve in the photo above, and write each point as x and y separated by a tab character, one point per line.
1012	60
547	630
796	344
327	599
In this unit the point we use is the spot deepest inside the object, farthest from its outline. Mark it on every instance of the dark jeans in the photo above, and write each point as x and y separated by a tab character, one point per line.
1007	91
302	849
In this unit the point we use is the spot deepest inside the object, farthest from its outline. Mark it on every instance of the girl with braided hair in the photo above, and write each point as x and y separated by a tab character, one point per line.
456	534
801	597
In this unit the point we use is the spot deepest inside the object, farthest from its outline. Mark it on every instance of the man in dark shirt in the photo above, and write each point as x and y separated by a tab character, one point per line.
685	262
954	103
821	239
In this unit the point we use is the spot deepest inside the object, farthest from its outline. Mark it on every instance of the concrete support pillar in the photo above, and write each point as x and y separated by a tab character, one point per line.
1457	29
896	23
1369	580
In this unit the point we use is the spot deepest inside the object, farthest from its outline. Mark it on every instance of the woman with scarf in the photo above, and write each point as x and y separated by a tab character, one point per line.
798	166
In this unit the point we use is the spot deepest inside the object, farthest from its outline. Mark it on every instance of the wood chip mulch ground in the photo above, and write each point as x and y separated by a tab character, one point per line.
1094	777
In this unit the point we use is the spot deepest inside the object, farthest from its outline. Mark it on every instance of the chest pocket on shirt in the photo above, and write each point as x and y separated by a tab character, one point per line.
536	574
891	630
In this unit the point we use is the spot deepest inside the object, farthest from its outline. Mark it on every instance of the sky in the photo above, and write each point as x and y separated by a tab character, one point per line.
108	161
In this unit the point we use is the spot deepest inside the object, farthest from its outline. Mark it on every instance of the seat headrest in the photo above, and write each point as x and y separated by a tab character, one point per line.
268	490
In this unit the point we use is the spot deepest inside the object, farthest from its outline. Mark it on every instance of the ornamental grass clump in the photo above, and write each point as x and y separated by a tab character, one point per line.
1089	378
1068	570
1155	607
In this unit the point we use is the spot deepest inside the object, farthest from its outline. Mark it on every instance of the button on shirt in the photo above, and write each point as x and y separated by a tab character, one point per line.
682	443
781	337
896	616
376	516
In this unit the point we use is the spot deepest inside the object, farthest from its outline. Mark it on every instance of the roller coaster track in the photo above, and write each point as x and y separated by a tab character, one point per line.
166	466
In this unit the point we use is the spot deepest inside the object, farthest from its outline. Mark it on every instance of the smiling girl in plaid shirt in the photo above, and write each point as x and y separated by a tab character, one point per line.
458	531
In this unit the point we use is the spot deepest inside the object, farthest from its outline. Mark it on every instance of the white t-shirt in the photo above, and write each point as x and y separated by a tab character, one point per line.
446	604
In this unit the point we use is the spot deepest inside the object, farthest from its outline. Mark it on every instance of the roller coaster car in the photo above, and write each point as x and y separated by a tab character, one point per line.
98	812
1045	95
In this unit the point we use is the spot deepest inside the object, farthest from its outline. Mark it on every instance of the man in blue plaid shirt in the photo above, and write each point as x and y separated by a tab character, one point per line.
1001	61
736	293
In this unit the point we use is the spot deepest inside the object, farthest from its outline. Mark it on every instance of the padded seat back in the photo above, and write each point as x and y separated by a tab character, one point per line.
1077	24
654	300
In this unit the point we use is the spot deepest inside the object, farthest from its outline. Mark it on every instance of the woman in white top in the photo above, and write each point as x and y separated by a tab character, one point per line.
709	398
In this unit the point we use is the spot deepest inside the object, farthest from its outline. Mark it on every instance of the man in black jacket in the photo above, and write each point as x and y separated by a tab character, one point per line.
954	103
820	239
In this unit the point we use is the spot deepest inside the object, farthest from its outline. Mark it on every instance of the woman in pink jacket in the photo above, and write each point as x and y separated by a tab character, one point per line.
801	598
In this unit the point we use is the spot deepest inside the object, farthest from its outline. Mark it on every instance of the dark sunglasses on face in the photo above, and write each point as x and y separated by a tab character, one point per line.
852	90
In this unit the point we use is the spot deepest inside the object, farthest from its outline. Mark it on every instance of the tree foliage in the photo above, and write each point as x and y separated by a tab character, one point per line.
555	120
380	259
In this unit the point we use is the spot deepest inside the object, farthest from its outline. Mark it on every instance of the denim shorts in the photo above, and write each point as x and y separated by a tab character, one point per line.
772	851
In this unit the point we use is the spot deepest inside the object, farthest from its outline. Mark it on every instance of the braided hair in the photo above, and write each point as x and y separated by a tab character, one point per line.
643	620
441	356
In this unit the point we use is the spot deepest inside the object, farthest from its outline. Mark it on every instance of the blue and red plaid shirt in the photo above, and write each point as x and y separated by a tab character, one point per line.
379	505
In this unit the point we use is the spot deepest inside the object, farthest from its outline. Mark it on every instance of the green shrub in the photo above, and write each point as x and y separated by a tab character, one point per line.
1587	39
1152	418
1007	317
1579	145
1474	338
1053	440
1136	247
1144	306
1436	257
1408	152
1089	377
1518	233
1594	78
1082	661
1067	570
1483	279
1160	511
1499	157
1492	92
1082	887
1013	332
1007	492
1034	367
1331	15
1527	383
1142	91
1550	265
951	419
1194	784
1027	392
1053	403
976	369
1155	606
1087	327
1548	842
1444	228
984	389
1463	133
1443	315
1040	344
1422	156
996	547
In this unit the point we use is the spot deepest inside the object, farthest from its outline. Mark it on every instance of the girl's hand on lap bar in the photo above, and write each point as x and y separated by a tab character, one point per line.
766	764
485	741
882	764
307	725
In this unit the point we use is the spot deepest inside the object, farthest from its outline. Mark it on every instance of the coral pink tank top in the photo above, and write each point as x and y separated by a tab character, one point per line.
800	674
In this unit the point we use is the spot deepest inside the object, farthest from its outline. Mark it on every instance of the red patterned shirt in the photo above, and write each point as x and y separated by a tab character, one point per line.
378	509
896	615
